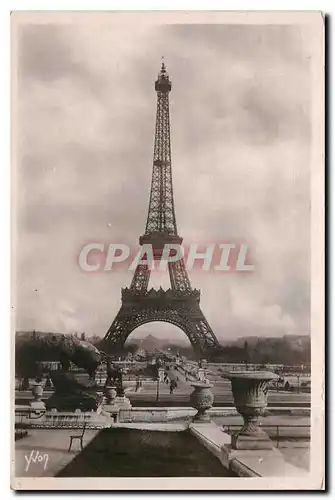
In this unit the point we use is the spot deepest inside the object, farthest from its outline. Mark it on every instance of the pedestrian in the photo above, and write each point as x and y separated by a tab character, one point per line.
173	386
48	384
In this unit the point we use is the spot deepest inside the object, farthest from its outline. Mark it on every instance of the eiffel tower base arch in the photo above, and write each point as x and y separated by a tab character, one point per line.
180	310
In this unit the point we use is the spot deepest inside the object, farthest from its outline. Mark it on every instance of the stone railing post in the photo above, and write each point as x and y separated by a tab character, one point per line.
161	374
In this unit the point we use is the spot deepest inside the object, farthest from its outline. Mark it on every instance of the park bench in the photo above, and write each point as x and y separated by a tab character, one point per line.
78	436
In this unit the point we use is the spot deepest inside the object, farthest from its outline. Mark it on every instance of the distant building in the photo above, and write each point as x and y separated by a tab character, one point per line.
50	365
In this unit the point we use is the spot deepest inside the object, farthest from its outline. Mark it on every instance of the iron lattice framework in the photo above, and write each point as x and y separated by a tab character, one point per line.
179	305
161	214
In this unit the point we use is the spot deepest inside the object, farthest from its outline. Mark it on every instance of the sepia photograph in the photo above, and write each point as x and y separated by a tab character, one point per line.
167	213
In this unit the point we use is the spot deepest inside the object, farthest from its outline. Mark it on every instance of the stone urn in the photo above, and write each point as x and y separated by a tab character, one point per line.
110	394
250	393
202	400
37	392
37	403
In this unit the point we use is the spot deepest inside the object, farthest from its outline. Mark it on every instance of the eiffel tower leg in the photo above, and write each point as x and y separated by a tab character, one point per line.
119	330
178	276
204	334
141	278
198	330
116	332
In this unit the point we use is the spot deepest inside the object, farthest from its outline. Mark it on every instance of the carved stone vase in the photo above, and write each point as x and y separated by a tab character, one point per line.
110	394
37	392
250	393
37	403
202	400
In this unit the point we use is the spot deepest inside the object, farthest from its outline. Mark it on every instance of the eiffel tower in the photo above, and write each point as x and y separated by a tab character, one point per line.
180	304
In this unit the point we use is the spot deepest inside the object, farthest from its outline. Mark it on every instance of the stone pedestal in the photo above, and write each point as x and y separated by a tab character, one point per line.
37	405
122	402
112	410
202	400
243	442
70	394
118	407
124	408
250	392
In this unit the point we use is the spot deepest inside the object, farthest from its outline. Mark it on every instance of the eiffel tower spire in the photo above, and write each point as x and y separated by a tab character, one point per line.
161	214
161	220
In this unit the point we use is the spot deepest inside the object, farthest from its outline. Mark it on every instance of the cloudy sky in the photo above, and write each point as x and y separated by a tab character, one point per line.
240	113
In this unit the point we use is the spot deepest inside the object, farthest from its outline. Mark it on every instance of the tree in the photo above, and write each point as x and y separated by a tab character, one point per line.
26	357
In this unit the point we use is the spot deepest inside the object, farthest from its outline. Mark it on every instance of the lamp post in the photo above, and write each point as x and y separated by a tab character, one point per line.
120	388
157	390
246	354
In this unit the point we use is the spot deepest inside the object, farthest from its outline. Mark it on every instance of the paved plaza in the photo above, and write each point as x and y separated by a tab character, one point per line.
44	453
50	444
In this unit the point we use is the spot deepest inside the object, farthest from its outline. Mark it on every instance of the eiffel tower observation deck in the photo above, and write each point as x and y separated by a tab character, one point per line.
180	304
